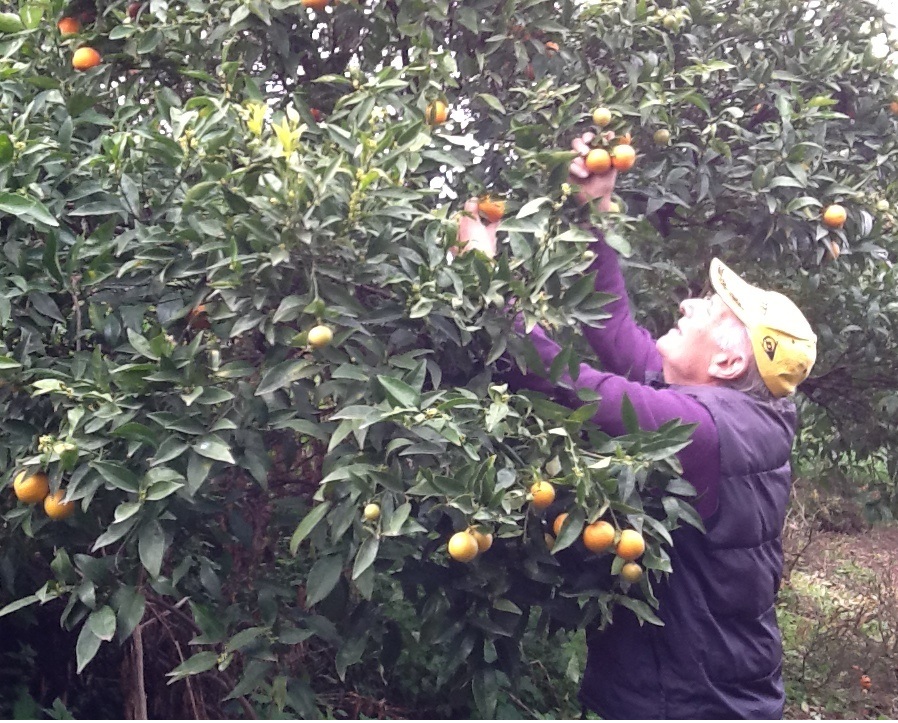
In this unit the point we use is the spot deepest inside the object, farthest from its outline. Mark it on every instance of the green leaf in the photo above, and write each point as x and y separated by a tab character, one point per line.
284	374
366	556
102	623
323	578
199	663
19	604
10	23
129	604
8	363
398	392
485	687
86	647
118	476
214	447
307	525
151	547
26	208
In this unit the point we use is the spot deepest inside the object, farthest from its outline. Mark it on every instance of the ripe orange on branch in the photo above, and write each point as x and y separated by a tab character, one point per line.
834	216
598	536
623	157
598	160
437	113
317	5
543	494
559	522
463	547
31	488
484	540
86	58
68	26
630	546
55	508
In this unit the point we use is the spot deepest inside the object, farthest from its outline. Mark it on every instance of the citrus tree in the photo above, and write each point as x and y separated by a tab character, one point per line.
238	337
255	407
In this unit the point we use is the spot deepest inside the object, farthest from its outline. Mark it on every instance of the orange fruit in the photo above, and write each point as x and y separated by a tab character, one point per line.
551	47
598	160
833	249
372	512
68	26
493	210
463	547
834	216
484	540
316	114
598	536
601	117
55	508
661	137
631	572
893	106
31	488
197	319
624	139
623	157
543	494
86	58
437	113
559	521
865	682
318	5
630	545
320	336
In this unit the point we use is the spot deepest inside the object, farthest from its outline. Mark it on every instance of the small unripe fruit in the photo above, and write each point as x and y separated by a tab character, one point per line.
631	572
372	512
320	336
601	117
661	137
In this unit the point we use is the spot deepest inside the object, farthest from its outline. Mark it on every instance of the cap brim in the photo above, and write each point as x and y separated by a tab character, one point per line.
741	297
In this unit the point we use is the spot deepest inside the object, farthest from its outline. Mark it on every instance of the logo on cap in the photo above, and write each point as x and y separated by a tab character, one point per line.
769	344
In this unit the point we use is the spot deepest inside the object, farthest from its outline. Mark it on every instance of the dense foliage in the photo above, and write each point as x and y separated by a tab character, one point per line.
176	219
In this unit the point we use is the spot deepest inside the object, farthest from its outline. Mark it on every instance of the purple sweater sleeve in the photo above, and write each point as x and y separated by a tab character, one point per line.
624	347
654	407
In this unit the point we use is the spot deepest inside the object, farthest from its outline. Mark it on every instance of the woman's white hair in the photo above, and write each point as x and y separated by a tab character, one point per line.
731	335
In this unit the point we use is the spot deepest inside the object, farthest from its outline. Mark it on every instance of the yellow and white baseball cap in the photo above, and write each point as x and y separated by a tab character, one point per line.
785	346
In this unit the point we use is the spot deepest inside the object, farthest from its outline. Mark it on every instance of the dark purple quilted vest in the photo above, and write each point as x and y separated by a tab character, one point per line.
719	654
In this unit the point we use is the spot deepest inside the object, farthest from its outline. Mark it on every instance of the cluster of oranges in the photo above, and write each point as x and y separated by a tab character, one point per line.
621	157
32	489
466	545
597	537
85	57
